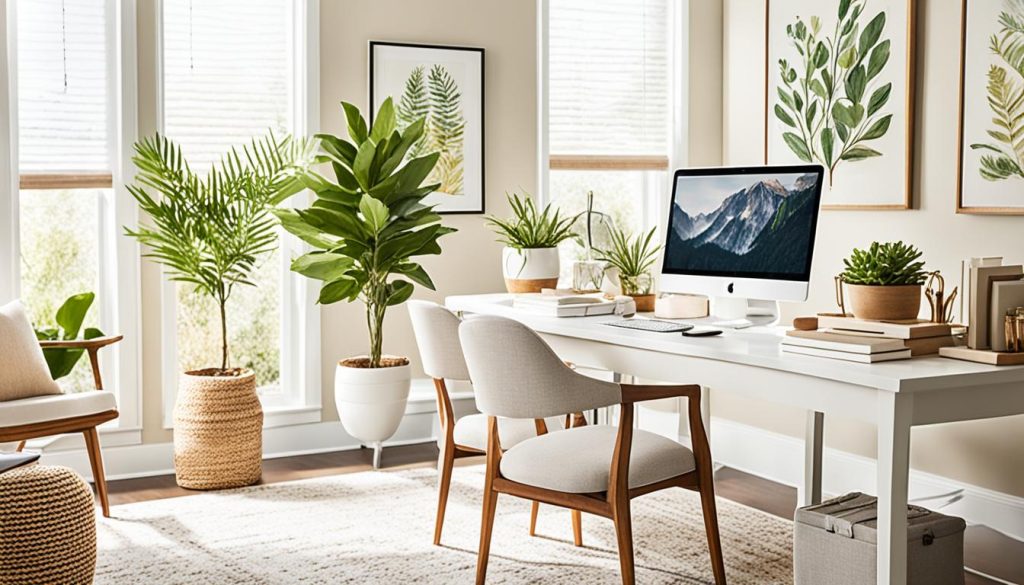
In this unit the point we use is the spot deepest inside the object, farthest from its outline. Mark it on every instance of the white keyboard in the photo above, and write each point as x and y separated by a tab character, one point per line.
651	325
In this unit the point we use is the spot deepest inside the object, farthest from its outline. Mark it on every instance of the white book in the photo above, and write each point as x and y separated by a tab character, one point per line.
839	342
554	300
571	310
864	358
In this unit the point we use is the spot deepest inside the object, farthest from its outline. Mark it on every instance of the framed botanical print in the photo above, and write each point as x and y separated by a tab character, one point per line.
446	86
840	93
991	166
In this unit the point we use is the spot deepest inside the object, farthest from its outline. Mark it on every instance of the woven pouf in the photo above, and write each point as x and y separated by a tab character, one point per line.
218	432
47	527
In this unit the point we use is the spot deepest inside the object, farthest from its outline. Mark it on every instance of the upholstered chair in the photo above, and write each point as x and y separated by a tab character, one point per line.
437	335
596	469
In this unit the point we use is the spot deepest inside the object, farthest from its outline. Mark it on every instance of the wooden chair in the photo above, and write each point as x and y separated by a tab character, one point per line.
80	412
437	335
596	469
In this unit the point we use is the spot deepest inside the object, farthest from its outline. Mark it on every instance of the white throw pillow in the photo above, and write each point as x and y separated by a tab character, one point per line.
23	369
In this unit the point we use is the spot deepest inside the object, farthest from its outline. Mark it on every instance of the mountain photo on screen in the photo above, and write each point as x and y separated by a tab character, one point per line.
742	224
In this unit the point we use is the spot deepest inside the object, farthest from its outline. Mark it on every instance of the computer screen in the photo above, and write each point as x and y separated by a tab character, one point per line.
751	222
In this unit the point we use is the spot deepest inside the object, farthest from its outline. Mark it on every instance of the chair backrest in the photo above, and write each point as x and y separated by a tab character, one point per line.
516	375
437	335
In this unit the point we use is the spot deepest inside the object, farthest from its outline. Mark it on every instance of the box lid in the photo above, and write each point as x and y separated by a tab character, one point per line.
855	515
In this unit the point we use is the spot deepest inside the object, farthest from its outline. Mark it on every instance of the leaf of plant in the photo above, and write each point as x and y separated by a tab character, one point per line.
416	273
844	7
798	146
843	115
812	112
384	122
878	129
364	160
820	56
827	145
783	116
847	58
879	57
869	36
343	288
818	89
856	82
399	291
785	97
842	131
295	225
71	314
879	97
374	212
799	101
323	266
860	153
826	77
356	123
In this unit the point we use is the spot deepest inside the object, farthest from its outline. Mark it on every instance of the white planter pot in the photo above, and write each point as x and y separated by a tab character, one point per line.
371	402
530	269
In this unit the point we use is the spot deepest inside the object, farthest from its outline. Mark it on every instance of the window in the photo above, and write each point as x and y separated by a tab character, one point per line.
232	72
608	113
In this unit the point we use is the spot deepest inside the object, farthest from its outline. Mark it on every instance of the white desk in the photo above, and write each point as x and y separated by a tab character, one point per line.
894	395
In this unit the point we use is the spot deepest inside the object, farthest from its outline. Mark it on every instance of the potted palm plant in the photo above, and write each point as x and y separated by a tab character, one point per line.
631	258
211	232
367	225
530	258
884	281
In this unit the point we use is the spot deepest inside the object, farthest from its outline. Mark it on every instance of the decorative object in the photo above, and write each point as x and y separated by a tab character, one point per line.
68	321
991	163
212	232
358	515
47	527
840	93
632	257
529	260
587	276
445	86
681	306
983	356
1006	296
366	227
1013	330
884	281
981	279
941	306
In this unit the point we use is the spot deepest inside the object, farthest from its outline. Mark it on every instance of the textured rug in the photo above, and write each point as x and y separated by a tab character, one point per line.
377	527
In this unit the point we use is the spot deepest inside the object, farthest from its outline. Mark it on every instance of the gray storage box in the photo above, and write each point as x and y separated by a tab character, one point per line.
835	543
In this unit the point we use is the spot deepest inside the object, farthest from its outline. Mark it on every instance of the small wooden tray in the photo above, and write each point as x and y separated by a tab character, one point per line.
983	356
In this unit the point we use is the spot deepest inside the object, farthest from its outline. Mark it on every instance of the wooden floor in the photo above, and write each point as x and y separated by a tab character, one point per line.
986	550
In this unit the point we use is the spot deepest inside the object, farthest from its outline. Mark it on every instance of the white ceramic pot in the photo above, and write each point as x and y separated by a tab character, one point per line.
530	269
371	401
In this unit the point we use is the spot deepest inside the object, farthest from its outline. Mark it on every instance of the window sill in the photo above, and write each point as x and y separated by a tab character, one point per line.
109	437
277	416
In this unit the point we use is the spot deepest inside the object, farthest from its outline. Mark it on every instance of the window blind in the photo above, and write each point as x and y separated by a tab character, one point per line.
608	77
227	73
63	99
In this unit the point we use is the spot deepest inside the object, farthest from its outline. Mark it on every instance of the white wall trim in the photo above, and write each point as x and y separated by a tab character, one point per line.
780	458
9	230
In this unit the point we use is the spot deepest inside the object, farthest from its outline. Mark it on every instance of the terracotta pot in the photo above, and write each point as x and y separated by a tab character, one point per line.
885	303
529	270
644	303
218	432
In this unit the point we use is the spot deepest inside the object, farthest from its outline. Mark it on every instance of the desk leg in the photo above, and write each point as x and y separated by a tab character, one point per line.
814	446
895	413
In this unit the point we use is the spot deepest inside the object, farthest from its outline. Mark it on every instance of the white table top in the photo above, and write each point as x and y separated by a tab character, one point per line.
756	346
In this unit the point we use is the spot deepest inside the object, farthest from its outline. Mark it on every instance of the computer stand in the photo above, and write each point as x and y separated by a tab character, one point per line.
739	313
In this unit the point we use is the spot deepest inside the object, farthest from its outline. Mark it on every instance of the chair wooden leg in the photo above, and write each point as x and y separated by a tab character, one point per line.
707	502
445	461
21	446
534	509
92	443
577	527
624	535
486	526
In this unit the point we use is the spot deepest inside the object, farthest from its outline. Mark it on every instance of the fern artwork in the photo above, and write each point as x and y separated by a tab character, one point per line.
992	174
837	95
443	86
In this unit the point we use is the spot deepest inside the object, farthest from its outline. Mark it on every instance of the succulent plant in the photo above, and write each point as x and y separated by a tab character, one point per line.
888	264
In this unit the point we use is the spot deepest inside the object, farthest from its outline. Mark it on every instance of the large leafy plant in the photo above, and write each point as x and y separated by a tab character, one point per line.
633	256
212	231
369	223
530	228
1004	159
68	320
889	264
435	97
832	101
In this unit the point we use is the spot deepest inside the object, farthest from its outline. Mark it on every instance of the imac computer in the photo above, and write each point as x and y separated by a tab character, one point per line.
743	236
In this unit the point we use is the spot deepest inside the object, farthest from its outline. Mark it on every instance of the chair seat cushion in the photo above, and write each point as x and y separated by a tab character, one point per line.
579	460
471	430
26	411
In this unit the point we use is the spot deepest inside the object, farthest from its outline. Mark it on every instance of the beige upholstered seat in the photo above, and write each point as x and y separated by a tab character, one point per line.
471	431
58	406
578	461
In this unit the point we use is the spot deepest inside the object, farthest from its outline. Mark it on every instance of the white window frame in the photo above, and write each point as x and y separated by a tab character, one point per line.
656	191
118	290
300	315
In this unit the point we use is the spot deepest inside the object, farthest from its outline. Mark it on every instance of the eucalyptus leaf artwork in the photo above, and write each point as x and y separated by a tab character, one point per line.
992	102
838	95
444	87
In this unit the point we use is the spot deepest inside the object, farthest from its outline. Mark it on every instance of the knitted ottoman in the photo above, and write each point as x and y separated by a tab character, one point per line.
47	527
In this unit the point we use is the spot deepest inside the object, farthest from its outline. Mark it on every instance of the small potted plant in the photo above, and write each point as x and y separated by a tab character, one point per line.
367	225
631	257
884	281
211	232
530	258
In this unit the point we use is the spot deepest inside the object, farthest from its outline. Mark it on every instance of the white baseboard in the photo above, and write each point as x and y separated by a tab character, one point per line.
780	458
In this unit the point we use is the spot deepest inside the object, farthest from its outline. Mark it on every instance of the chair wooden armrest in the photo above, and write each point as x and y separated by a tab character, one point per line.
90	345
643	392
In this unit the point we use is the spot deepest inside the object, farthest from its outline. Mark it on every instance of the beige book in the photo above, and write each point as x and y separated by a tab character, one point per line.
899	329
864	358
839	342
981	295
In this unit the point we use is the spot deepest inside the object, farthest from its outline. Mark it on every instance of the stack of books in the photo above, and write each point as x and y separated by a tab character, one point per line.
562	305
869	342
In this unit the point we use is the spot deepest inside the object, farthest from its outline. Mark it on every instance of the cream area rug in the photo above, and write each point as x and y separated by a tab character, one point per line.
377	527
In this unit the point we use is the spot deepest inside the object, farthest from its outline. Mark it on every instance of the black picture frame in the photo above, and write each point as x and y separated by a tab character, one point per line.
480	184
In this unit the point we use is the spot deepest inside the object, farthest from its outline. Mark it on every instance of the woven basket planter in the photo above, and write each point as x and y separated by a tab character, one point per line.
47	527
218	432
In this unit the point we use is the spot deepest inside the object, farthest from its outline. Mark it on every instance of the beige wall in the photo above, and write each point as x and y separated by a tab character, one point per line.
985	453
